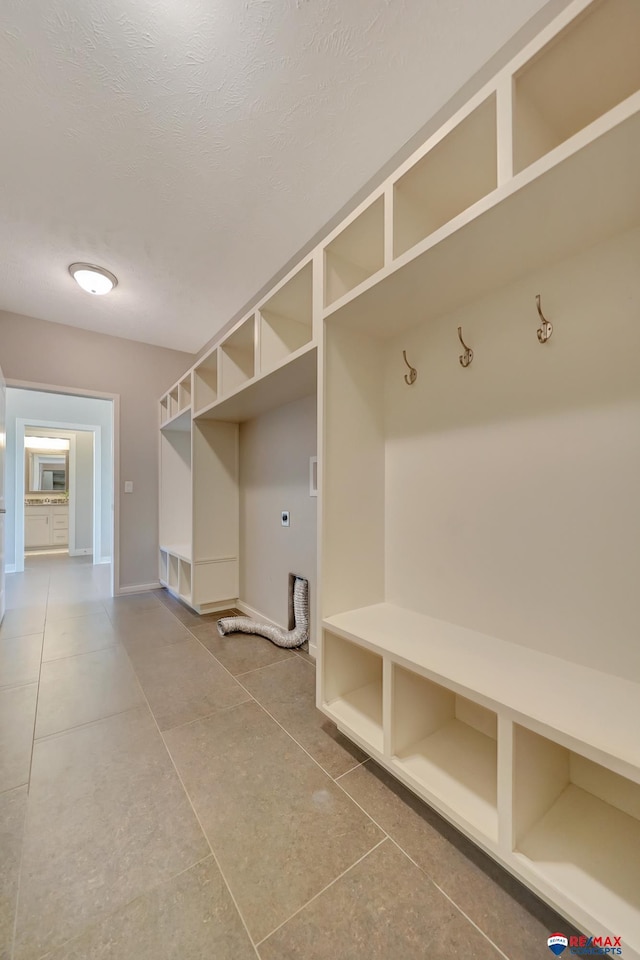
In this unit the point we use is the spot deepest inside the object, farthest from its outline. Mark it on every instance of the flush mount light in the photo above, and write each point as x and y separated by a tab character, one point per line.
93	279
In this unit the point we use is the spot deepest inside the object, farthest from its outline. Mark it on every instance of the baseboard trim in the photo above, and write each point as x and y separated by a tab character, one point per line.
10	568
137	588
313	650
81	552
256	614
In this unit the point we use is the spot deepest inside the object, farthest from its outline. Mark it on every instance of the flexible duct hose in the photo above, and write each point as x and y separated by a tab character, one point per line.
282	638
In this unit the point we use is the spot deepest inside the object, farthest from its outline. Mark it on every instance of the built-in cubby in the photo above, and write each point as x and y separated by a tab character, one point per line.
205	381
457	171
164	568
286	320
356	254
577	825
164	409
353	689
184	582
447	745
175	492
173	578
583	72
184	393
237	357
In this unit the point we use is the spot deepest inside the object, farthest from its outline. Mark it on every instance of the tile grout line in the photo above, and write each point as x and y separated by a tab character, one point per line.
351	769
123	906
26	811
195	813
324	889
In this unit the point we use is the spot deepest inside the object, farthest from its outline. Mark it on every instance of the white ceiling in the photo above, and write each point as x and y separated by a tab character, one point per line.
194	146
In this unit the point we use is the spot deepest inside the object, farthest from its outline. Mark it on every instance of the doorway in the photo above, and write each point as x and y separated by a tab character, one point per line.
83	513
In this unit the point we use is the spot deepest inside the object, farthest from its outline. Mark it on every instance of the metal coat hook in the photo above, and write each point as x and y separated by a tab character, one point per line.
466	357
411	377
545	331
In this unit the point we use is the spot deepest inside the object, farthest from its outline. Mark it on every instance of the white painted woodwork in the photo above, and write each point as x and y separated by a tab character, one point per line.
46	525
479	530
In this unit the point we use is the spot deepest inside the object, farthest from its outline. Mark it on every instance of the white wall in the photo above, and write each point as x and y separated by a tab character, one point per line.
512	486
274	476
84	494
32	405
52	353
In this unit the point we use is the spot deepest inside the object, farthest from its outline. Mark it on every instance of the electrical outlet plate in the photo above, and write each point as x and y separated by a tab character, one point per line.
285	518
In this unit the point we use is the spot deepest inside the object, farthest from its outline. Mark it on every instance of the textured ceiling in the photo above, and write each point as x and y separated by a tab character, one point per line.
193	146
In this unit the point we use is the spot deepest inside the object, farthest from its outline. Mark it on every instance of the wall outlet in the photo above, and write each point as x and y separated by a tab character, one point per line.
285	518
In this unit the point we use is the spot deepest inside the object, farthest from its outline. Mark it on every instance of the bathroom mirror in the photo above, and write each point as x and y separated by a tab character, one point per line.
46	471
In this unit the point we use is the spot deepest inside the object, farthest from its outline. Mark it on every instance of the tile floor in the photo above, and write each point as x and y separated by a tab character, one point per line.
168	794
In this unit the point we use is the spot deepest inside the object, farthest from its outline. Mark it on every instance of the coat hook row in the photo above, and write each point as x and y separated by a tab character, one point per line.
411	377
545	331
466	357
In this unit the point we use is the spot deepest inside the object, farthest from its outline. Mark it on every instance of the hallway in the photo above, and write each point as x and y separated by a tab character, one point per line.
168	793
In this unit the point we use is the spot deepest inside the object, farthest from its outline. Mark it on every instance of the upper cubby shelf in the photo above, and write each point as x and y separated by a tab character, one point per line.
586	70
286	320
356	254
205	381
238	357
459	170
586	190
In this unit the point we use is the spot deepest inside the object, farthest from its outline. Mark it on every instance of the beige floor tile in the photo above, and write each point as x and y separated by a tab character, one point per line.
240	652
191	917
81	689
144	638
13	805
67	638
384	908
287	690
509	914
23	622
135	603
280	827
74	608
182	682
122	825
20	660
17	717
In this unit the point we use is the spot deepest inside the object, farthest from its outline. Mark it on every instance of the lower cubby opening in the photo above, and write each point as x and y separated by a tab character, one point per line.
577	825
173	580
353	689
184	582
164	567
447	745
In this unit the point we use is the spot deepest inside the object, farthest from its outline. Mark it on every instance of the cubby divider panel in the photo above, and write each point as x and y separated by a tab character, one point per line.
184	393
457	172
355	254
174	573
238	357
184	586
205	382
585	71
286	320
353	689
577	824
448	746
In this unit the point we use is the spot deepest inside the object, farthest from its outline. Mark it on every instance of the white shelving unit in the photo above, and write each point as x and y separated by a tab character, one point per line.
479	529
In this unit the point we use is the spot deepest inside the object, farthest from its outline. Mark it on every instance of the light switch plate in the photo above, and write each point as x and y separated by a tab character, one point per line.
128	486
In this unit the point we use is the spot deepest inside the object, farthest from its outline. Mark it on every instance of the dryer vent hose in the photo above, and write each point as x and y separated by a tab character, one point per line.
299	599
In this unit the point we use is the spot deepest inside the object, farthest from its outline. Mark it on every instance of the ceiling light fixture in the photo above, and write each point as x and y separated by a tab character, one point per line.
93	279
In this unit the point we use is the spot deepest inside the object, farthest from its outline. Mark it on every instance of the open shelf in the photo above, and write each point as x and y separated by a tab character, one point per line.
180	421
577	825
355	254
286	320
175	488
184	393
173	578
457	172
353	690
184	582
534	220
237	357
215	490
164	567
164	409
205	382
447	745
296	377
591	66
180	550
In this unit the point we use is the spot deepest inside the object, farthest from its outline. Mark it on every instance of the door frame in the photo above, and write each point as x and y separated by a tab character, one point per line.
115	477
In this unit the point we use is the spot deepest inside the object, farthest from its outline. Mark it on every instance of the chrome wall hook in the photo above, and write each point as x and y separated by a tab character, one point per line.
545	331
466	357
411	377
